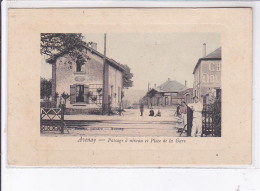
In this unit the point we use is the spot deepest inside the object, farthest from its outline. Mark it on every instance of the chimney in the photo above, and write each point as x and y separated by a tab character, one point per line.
94	45
169	79
154	85
186	83
204	49
148	86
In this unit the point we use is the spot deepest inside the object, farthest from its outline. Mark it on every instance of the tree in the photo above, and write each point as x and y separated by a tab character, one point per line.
56	43
53	44
127	77
65	97
59	43
45	88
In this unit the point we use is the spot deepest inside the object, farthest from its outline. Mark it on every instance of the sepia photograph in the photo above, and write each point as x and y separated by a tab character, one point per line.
166	87
134	95
130	84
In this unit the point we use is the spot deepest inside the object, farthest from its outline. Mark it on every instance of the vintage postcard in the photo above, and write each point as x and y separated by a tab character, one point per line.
86	92
130	87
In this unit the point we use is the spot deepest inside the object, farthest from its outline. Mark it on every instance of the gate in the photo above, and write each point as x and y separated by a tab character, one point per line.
52	119
207	121
189	120
211	119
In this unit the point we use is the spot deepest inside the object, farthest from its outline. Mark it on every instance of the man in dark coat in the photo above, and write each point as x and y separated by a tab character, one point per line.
141	108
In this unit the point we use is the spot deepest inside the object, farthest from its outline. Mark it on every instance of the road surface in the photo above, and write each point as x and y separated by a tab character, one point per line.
131	124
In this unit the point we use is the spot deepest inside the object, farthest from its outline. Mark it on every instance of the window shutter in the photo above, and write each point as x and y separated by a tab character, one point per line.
86	91
72	94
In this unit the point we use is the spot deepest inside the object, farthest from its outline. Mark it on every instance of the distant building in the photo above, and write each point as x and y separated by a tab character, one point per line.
186	95
83	82
164	95
207	76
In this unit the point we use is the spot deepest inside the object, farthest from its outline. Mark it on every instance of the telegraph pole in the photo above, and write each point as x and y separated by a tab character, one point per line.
105	82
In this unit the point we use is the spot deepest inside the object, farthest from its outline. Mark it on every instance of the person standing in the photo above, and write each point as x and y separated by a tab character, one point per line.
109	106
196	107
178	110
183	111
141	108
120	109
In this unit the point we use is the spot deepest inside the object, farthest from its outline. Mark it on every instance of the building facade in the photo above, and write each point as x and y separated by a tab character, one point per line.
186	95
207	76
164	95
83	81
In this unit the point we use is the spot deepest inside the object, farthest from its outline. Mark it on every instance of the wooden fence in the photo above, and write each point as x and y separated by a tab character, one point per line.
52	119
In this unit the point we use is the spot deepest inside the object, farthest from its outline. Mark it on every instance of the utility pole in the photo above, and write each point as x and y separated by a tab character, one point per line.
105	82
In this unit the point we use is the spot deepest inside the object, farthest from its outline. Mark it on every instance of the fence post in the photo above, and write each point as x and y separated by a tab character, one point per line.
62	118
189	121
204	121
41	120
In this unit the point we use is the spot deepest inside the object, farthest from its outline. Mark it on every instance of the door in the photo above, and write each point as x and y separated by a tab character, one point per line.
80	93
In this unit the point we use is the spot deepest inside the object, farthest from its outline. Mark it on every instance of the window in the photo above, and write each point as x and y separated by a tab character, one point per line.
79	64
205	78
166	101
211	66
212	78
187	98
158	101
95	93
112	94
112	91
119	94
79	67
218	67
80	93
216	78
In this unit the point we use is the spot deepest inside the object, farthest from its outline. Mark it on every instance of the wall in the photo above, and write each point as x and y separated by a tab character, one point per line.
206	77
210	76
196	85
66	74
186	95
115	80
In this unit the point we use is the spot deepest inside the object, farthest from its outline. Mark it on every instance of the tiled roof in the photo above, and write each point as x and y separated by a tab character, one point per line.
215	54
185	91
109	60
171	86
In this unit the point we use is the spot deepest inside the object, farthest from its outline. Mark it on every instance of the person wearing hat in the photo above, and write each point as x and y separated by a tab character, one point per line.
196	107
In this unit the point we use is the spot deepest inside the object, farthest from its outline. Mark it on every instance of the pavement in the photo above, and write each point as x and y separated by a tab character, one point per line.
130	124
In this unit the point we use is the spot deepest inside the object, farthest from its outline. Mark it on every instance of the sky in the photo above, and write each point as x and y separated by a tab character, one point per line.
153	57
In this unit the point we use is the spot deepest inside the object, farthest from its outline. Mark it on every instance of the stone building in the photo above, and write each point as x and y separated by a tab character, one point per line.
186	95
207	75
83	80
164	95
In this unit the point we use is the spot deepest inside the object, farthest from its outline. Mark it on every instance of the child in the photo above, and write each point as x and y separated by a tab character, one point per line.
158	114
151	112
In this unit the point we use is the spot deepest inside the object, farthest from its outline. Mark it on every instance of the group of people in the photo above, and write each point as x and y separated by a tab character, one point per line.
197	108
151	112
181	112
